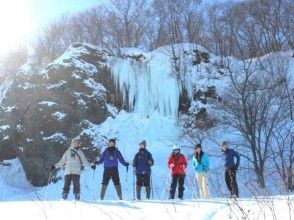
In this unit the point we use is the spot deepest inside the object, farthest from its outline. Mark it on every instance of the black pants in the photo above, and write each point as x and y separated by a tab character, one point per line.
230	177
76	183
177	178
111	173
143	180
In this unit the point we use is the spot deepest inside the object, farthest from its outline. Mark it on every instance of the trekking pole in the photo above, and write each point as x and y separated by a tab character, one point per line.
151	183
127	169
48	183
134	195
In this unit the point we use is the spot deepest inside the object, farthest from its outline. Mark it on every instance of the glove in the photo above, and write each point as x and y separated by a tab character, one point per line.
236	168
127	165
52	167
93	167
172	165
150	162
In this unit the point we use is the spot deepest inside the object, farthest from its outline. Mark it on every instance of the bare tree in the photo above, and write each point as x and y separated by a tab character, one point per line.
14	59
283	153
50	43
126	22
253	105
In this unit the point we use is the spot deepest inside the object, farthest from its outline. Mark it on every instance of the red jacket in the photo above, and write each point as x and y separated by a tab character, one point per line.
177	164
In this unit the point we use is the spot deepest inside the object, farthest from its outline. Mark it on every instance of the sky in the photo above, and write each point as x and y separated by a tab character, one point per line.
21	19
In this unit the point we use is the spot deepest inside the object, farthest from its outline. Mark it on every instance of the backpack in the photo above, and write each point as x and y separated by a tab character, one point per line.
76	153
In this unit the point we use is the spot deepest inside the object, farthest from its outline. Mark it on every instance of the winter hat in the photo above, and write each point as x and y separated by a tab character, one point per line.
198	146
176	147
112	140
143	143
224	143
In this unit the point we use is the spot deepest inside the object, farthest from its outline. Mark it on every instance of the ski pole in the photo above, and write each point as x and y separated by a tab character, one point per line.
127	169
134	195
151	183
48	183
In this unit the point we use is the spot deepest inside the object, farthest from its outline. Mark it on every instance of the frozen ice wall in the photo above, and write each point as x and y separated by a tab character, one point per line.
148	85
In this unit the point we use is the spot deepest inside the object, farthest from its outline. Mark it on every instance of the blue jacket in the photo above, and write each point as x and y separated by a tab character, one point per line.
111	157
203	165
143	161
229	161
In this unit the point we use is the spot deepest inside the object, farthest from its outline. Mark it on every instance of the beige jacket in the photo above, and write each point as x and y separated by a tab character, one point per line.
72	162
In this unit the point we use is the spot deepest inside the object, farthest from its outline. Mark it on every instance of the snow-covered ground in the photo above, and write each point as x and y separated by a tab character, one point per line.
193	209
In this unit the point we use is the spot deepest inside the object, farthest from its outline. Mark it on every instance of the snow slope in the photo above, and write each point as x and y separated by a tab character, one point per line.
201	210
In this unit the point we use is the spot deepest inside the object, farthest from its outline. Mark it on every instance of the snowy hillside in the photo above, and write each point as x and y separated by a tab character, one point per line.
140	96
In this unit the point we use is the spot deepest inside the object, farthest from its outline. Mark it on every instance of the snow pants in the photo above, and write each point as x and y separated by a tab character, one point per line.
177	179
202	180
230	178
76	183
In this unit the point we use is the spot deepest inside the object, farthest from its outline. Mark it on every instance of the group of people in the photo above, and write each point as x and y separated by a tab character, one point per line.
74	160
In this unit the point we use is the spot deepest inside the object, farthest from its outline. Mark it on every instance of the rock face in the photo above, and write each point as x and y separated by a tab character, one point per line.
43	111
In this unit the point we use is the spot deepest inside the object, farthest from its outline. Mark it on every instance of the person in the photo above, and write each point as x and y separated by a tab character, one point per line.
142	163
110	157
201	167
73	160
231	167
177	164
289	180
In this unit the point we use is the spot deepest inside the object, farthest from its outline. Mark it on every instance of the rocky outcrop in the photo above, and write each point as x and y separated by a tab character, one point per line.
42	111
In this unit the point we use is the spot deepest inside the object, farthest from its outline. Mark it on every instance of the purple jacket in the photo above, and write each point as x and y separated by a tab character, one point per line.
110	158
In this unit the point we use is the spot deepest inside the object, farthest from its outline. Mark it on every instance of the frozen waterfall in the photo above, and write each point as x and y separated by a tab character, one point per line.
148	85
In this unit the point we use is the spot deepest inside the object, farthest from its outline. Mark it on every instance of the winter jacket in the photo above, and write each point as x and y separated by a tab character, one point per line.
177	164
201	166
229	155
143	161
73	160
110	158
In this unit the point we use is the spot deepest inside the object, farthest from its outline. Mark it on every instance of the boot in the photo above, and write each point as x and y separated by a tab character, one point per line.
138	190
118	191
64	195
148	190
77	196
181	192
172	193
102	192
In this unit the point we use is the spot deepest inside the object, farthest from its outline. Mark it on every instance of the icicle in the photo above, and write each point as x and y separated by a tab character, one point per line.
148	85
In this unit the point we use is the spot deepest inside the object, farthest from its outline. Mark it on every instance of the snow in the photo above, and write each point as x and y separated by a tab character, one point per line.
26	86
9	108
59	115
58	137
191	209
4	127
26	69
132	51
6	137
29	140
48	103
70	59
4	87
97	88
57	85
79	95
